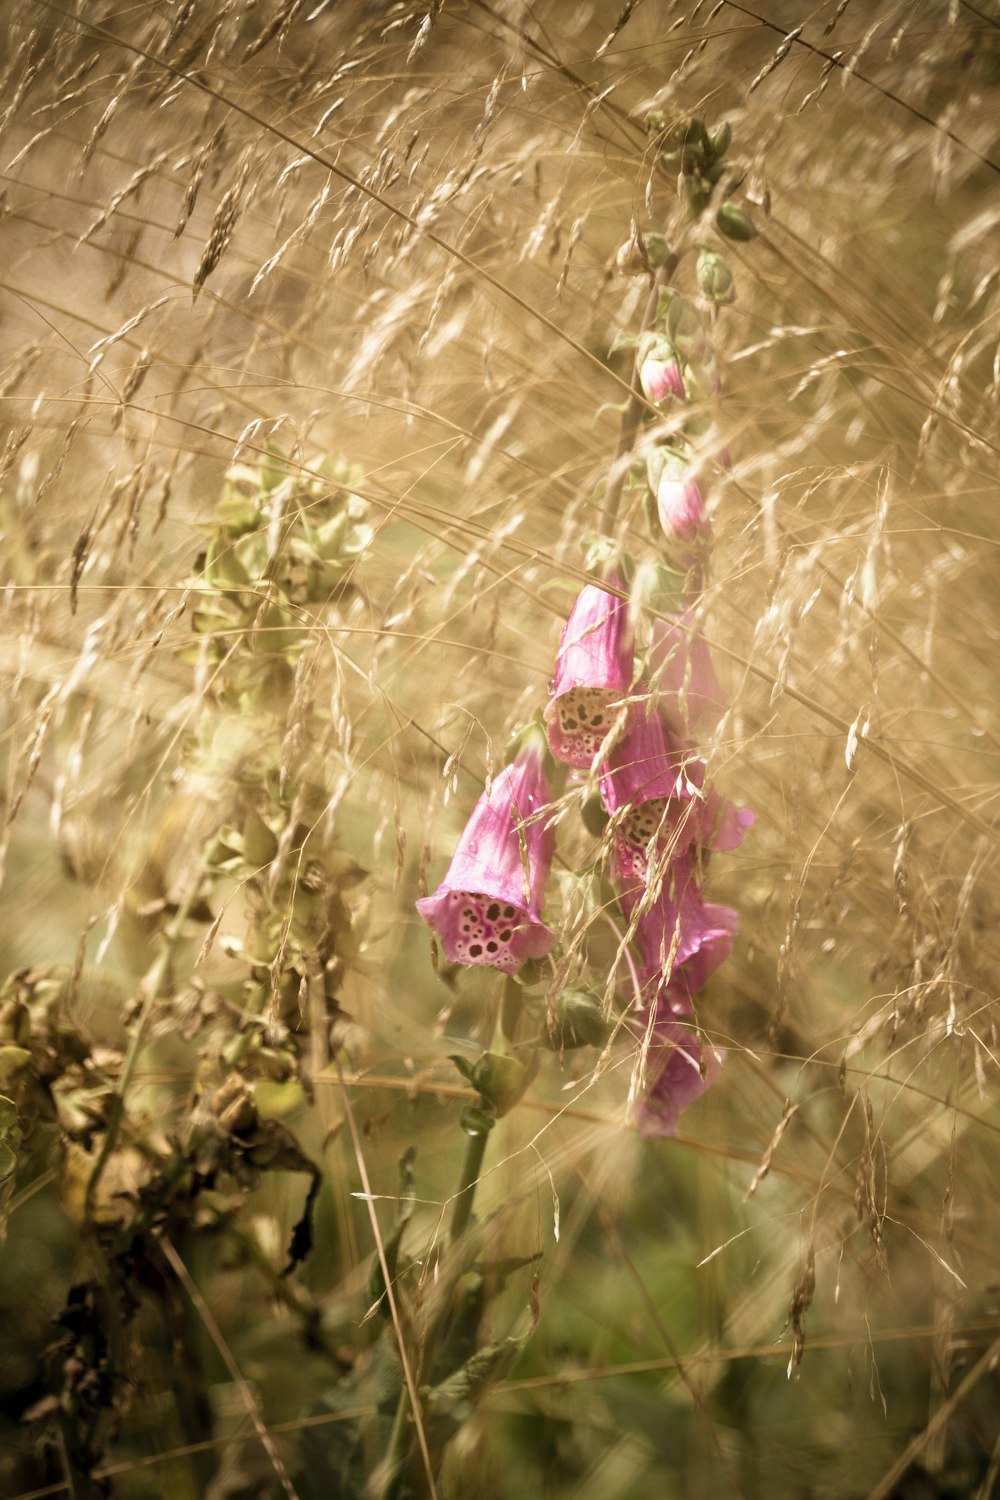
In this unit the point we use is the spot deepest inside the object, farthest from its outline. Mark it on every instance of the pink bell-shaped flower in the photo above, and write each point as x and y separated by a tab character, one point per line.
645	781
680	665
674	1077
682	939
658	788
593	672
487	909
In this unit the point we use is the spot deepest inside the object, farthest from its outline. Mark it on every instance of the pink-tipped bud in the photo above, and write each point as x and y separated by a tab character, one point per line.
681	508
661	379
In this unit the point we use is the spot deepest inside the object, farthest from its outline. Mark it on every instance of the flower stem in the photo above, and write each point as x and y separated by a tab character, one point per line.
635	404
475	1150
399	1440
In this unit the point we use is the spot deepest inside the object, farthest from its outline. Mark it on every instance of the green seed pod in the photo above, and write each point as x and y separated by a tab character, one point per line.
714	277
735	223
658	251
692	158
721	140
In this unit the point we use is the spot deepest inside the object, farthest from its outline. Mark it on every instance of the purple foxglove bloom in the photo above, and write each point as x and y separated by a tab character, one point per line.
646	781
661	378
646	762
658	787
673	1077
724	825
703	931
487	909
680	660
593	671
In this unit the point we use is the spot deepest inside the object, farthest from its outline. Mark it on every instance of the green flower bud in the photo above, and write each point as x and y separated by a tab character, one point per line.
714	277
684	327
721	140
735	223
501	1080
690	133
635	256
578	1020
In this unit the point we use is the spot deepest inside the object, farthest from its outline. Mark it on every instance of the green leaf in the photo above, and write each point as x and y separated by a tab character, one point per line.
405	1201
8	1161
456	1398
12	1060
8	1114
462	1064
624	340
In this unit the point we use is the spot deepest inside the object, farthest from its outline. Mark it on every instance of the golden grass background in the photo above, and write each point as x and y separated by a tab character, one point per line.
400	222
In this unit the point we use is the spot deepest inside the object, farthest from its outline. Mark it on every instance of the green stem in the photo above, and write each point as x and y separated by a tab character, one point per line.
636	403
399	1443
399	1439
475	1150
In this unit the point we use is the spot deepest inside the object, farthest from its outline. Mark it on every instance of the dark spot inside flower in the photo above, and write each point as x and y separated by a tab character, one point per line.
509	912
570	724
491	947
492	911
475	950
504	935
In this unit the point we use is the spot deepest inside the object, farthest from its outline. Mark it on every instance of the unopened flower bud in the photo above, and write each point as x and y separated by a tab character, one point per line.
629	259
576	1020
661	378
645	254
735	223
680	503
721	140
714	277
501	1081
